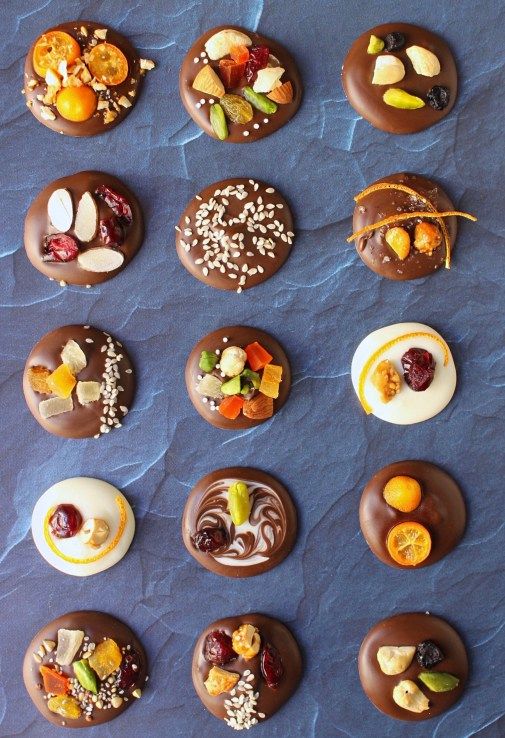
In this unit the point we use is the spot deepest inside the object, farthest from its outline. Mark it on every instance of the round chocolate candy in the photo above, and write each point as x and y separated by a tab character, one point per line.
441	510
69	665
82	78
412	630
262	682
260	542
420	53
83	229
239	86
238	377
235	234
78	382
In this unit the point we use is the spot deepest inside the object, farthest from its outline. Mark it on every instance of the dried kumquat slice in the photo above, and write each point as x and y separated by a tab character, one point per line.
409	544
108	64
52	48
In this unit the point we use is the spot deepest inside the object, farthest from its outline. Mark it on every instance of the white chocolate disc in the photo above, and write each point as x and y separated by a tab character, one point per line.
408	406
93	498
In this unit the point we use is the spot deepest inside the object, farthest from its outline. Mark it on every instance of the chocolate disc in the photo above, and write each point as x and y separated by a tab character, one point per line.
366	98
255	404
253	547
38	226
373	247
259	701
198	102
107	364
441	510
115	696
410	629
235	234
114	101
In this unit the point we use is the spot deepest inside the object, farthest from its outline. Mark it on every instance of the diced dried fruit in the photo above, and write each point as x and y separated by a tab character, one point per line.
73	356
106	658
101	259
259	407
427	237
246	641
210	386
233	360
424	61
218	121
37	378
76	103
439	681
94	532
55	406
210	540
388	70
69	642
116	202
62	381
218	649
232	386
271	666
438	97
282	94
259	101
272	373
375	45
112	232
386	380
207	361
230	72
257	356
429	654
394	41
418	369
395	659
222	42
409	544
220	681
53	681
407	694
403	493
60	247
239	503
208	82
60	209
230	407
85	676
65	521
397	98
86	218
399	240
108	64
258	59
129	670
237	109
267	79
239	54
53	47
269	389
67	707
88	392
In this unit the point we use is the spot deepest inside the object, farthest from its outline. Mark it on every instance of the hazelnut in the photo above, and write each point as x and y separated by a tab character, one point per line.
388	70
427	237
94	532
395	659
424	61
399	240
246	641
220	680
407	694
233	361
386	380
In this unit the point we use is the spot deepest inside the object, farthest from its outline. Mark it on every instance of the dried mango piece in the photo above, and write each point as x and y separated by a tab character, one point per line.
272	373
270	389
62	381
54	682
88	392
67	707
106	658
55	406
37	377
257	356
74	357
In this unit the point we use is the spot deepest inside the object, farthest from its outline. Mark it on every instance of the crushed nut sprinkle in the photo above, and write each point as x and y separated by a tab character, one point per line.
241	707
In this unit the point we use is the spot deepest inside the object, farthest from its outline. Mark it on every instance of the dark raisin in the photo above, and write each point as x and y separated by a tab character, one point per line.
218	648
60	247
65	522
271	666
117	203
428	654
129	670
438	97
210	540
111	232
394	41
258	59
418	369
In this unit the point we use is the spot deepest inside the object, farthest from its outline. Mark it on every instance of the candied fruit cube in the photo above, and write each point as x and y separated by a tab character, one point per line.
67	707
37	378
73	356
270	389
54	682
55	406
106	658
272	373
62	381
69	642
257	356
88	392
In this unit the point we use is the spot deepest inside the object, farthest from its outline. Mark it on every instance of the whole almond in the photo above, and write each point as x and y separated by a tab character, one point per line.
424	61
388	70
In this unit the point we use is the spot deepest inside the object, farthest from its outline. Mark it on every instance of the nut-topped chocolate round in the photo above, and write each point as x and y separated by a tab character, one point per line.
413	666
82	78
238	377
239	522
84	669
78	382
400	77
245	668
405	226
412	514
235	234
83	229
239	86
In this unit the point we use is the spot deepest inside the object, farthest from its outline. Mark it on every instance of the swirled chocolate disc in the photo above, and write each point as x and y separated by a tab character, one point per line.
255	546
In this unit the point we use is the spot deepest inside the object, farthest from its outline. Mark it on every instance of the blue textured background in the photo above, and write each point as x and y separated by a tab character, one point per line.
320	305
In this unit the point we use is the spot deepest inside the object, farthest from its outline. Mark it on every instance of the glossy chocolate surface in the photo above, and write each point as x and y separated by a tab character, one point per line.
84	421
274	121
254	225
237	336
97	626
366	98
373	248
254	547
441	510
95	124
409	629
38	226
271	631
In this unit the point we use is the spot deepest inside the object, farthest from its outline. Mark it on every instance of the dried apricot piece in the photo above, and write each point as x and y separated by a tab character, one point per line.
54	682
239	54
106	658
53	47
257	356
403	493
37	378
409	544
231	73
62	381
108	64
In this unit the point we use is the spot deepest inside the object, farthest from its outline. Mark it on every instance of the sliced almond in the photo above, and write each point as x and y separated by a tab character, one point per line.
60	210
86	219
100	259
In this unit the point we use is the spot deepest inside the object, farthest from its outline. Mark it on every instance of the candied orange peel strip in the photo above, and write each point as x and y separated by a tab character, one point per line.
376	354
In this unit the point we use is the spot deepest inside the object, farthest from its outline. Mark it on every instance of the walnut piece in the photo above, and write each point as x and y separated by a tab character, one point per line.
386	380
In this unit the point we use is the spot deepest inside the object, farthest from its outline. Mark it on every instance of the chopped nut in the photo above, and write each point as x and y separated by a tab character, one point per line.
399	240
147	64
109	116
98	86
220	680
407	694
103	105
49	645
37	378
388	70
46	113
424	61
37	658
84	31
94	532
137	693
395	659
32	84
246	641
427	237
116	701
386	380
101	33
53	79
124	102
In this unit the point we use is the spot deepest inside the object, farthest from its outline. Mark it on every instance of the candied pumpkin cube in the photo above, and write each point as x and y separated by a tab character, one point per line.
106	658
54	682
230	407
37	378
272	373
257	356
62	381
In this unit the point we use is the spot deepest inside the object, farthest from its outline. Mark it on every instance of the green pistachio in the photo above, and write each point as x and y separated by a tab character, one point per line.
375	45
252	377
218	121
259	101
208	360
85	675
398	98
439	681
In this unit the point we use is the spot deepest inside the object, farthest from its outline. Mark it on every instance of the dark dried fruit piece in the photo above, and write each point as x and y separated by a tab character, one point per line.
65	522
231	73
418	369
218	648
111	232
394	41
438	97
258	59
209	540
60	247
271	666
129	670
117	203
428	654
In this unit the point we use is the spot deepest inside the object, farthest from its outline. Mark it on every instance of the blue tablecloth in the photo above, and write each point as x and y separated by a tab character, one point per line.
331	589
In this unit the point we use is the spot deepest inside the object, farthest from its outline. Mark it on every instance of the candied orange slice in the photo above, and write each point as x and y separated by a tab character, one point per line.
108	64
53	47
409	544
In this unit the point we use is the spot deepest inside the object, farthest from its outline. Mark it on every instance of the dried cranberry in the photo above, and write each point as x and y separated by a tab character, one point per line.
209	540
60	247
111	232
428	654
117	203
65	522
271	666
258	59
218	649
418	369
129	670
438	97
